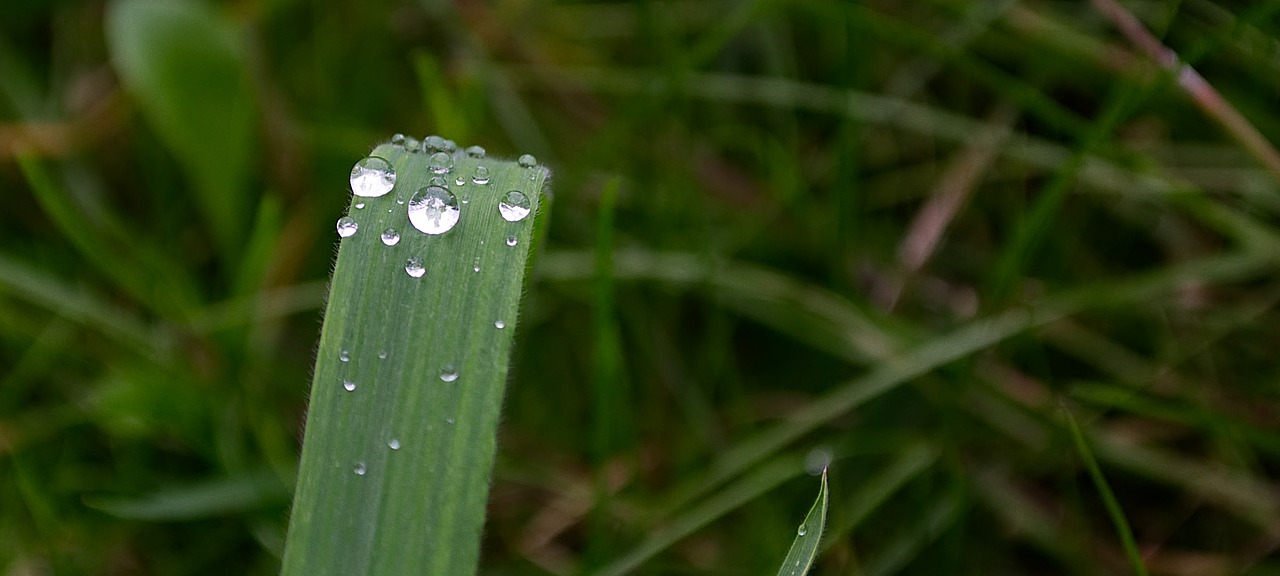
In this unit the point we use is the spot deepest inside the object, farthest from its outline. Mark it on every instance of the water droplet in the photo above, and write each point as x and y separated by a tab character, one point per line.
475	267
349	385
440	162
411	144
802	530
434	210
347	227
514	206
390	237
449	420
481	176
448	373
398	139
527	161
450	146
511	241
399	198
344	356
460	181
372	177
499	324
414	267
359	205
432	144
360	468
437	181
382	354
393	443
475	152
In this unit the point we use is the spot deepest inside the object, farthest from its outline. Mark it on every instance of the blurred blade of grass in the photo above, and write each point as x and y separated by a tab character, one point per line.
216	497
805	547
913	461
1114	511
447	115
921	531
146	274
611	433
184	65
397	455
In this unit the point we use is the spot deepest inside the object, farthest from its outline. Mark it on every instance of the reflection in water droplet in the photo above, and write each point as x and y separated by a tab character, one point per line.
499	324
514	206
372	177
347	227
475	152
360	468
481	176
434	210
440	162
511	240
448	373
390	237
349	385
393	443
527	161
802	530
344	356
414	267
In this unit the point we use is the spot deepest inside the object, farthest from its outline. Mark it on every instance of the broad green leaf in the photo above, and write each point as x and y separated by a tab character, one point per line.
184	66
805	547
409	379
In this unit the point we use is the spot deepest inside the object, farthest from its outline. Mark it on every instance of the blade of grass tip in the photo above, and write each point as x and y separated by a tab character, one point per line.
412	363
805	547
1108	498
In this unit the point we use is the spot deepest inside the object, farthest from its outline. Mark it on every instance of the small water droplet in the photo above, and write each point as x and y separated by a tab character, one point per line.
372	177
399	198
802	530
398	139
432	144
499	324
527	161
511	240
347	227
360	468
437	181
475	267
460	181
393	443
514	206
414	267
349	385
390	237
481	176
344	356
434	210
412	144
448	373
475	152
449	420
359	205
382	354
450	146
440	162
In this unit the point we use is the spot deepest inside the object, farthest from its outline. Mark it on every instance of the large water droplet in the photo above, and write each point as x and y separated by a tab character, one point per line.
432	144
360	468
372	177
481	176
511	240
393	443
440	162
448	373
514	206
344	356
802	530
527	161
434	210
347	227
349	385
414	267
390	237
475	152
499	324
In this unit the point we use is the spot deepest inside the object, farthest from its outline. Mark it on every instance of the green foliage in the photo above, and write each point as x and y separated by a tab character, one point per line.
805	548
403	420
907	233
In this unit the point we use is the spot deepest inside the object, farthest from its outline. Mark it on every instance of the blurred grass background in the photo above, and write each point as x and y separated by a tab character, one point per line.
921	239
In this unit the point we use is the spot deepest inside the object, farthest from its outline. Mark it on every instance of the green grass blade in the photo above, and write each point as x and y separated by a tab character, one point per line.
1114	511
808	535
395	472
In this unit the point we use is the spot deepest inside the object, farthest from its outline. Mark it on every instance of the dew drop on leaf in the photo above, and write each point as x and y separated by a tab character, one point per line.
347	227
414	267
390	237
434	210
372	177
514	206
448	373
440	162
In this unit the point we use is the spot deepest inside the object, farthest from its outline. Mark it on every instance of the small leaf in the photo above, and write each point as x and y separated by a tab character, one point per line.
805	547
